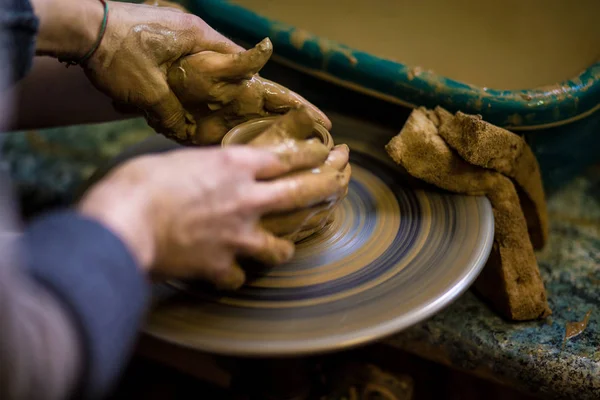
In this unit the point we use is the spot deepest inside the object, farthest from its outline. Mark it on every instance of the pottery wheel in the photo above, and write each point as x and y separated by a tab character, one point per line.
392	257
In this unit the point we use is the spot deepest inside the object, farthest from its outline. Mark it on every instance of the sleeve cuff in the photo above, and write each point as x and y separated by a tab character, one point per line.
96	277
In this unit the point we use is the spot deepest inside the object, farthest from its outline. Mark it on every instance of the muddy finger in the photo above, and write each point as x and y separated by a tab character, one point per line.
213	67
232	279
299	190
167	116
194	80
266	248
296	124
301	155
338	157
210	76
279	99
286	223
248	63
346	175
210	128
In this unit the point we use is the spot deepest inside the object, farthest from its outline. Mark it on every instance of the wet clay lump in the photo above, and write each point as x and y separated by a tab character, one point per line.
510	44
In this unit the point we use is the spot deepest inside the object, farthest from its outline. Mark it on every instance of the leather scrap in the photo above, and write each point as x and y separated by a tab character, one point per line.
511	280
488	146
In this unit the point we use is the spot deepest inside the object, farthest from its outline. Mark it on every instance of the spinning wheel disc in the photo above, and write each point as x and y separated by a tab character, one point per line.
392	257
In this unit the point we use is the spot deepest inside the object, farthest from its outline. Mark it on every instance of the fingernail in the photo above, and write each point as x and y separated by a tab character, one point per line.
264	44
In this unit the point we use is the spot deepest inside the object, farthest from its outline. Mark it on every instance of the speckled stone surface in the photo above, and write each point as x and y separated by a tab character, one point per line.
534	356
48	167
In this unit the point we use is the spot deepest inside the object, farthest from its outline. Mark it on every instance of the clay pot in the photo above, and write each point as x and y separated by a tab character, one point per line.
299	224
244	133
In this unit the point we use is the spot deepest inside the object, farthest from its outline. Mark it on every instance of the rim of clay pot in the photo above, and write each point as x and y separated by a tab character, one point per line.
244	132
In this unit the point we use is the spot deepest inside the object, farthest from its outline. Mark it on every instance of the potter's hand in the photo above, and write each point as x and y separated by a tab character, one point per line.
147	43
318	216
294	131
191	212
140	43
224	90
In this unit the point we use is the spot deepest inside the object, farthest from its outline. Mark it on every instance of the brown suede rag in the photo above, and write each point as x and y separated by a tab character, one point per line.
511	280
488	146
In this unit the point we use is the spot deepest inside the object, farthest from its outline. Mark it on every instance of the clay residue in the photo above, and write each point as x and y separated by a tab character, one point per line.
299	37
573	329
514	120
511	280
414	72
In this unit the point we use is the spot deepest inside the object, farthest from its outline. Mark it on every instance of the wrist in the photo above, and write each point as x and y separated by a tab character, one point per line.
124	209
68	28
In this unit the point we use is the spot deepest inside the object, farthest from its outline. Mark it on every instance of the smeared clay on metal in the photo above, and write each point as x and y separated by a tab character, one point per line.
511	280
525	45
480	99
298	37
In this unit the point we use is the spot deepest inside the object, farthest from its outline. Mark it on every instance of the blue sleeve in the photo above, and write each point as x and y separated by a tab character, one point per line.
94	275
18	29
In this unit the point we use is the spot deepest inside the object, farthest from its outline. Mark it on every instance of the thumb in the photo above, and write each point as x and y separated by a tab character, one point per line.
210	76
296	124
232	279
245	64
306	154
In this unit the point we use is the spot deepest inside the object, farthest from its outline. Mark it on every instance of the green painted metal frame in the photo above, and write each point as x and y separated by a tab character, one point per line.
535	108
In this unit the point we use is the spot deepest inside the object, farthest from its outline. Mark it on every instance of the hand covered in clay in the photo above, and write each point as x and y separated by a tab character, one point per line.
190	213
224	90
143	43
294	131
298	225
139	45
